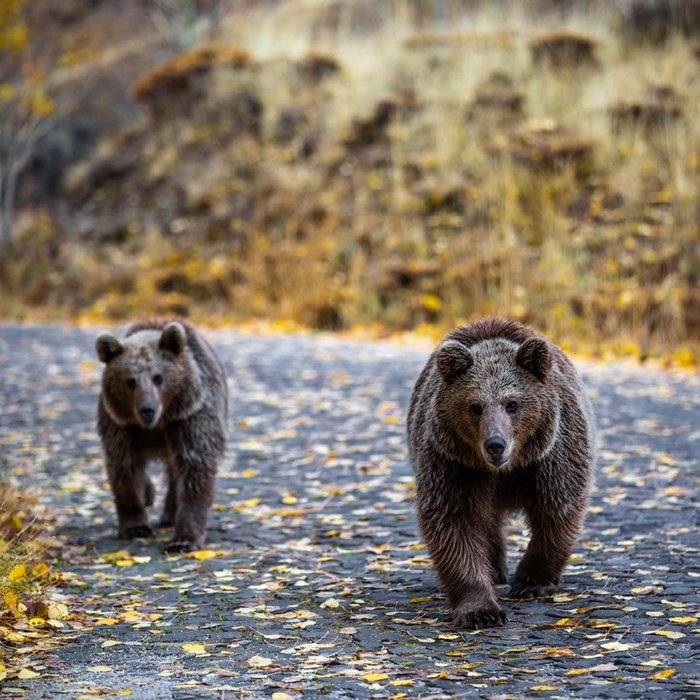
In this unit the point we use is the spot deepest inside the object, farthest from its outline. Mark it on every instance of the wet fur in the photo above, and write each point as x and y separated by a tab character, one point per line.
462	500
189	437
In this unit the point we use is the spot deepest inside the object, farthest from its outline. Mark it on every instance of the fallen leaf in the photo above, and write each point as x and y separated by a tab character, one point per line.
374	677
618	646
259	662
669	634
27	673
663	675
204	554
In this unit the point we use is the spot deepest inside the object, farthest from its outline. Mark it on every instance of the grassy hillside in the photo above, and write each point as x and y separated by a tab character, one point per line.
344	165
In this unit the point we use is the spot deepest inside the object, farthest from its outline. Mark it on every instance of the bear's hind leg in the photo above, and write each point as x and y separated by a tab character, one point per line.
539	570
149	492
167	518
196	445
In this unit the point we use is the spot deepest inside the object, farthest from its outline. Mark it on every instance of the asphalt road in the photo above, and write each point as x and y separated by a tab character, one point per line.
316	581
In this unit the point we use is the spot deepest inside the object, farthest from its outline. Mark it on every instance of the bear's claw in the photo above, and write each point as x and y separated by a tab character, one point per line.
178	546
134	531
522	589
480	619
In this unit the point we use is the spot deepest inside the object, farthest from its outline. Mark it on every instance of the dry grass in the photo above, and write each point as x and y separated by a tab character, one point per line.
408	178
23	573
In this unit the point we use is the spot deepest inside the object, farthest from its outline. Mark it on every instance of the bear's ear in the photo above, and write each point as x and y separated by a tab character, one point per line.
173	338
534	357
108	347
453	360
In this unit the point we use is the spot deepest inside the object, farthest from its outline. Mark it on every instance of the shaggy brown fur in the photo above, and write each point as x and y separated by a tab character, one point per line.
164	397
499	421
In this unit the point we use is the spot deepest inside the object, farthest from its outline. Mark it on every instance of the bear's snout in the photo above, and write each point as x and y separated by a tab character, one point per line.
495	449
147	415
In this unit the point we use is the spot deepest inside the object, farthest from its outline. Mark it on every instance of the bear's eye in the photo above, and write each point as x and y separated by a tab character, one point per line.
157	379
131	383
511	407
476	409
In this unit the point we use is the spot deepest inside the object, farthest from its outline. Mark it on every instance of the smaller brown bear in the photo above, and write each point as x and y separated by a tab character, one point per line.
499	421
164	397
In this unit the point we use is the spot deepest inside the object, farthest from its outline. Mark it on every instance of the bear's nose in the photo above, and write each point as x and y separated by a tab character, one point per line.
147	414
495	447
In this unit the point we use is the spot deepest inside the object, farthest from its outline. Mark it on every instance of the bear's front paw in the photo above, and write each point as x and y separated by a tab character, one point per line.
520	588
131	532
179	546
479	619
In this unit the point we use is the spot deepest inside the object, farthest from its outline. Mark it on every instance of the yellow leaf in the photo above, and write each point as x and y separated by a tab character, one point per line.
11	600
40	570
403	682
113	557
393	420
203	554
249	473
431	302
683	357
27	673
687	620
107	621
374	677
663	675
668	634
193	648
543	688
577	671
3	672
556	652
567	622
17	573
14	637
131	616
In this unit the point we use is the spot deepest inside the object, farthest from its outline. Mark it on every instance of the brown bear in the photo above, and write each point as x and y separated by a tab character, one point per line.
499	421
164	397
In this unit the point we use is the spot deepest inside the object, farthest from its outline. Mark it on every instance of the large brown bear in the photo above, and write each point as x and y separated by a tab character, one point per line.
164	397
499	421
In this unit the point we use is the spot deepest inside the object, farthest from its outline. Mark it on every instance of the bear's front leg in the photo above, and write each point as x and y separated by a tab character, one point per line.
462	557
195	444
540	569
128	483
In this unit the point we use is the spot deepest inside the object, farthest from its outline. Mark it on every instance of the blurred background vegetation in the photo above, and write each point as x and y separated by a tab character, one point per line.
385	165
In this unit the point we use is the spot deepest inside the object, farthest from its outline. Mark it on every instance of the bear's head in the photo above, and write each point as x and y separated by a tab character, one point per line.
149	376
496	397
